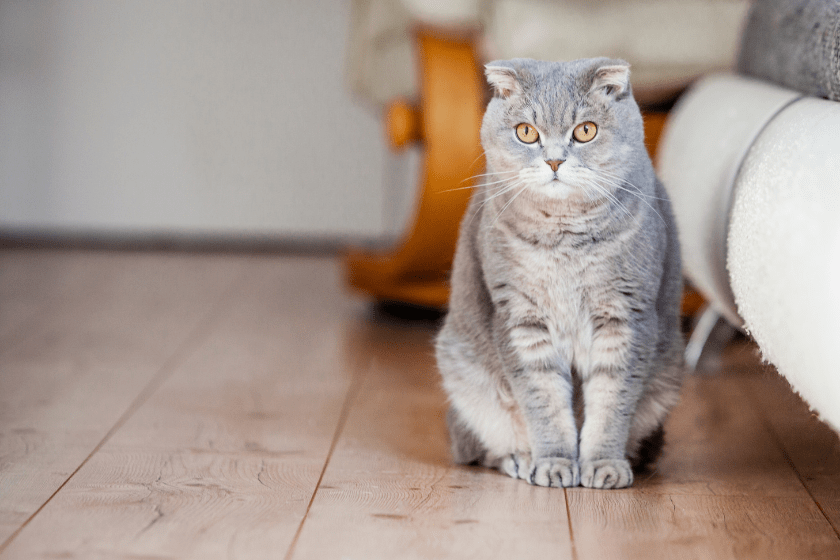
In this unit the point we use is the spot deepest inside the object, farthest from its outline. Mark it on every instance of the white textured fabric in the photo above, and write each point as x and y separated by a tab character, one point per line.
774	155
703	145
447	12
784	249
668	43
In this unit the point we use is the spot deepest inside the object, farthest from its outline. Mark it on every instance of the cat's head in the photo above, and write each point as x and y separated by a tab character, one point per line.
561	129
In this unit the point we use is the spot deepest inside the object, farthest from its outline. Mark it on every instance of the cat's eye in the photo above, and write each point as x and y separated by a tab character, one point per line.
527	133
584	132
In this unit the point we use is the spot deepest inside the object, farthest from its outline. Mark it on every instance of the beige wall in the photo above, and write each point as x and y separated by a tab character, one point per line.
186	116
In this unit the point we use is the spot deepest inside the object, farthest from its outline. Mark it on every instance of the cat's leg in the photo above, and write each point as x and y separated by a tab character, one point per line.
627	393
467	449
515	465
543	388
613	374
485	426
507	449
609	402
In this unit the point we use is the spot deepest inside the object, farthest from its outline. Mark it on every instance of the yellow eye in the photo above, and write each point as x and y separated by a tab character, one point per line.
527	133
584	132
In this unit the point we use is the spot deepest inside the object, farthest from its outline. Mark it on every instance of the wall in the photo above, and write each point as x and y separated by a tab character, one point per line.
186	117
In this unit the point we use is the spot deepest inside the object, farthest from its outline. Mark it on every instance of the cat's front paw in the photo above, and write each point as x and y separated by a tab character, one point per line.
516	465
554	471
606	473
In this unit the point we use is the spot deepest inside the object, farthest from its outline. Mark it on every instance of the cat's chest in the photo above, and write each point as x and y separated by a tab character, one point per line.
568	286
561	279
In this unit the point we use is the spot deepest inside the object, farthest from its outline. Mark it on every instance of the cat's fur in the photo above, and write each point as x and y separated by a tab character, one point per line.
563	290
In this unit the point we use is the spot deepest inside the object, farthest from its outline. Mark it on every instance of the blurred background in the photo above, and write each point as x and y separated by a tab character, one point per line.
187	119
262	121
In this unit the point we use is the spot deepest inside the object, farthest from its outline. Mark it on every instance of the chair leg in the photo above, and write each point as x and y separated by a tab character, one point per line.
709	326
447	123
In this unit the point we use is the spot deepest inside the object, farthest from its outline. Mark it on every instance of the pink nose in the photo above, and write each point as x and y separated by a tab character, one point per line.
554	164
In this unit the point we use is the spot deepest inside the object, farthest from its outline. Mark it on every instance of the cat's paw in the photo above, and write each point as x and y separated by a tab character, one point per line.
606	473
516	465
554	471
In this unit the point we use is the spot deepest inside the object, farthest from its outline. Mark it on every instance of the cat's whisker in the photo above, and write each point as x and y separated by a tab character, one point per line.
500	191
635	190
575	180
509	203
460	189
477	185
589	194
620	181
604	176
495	173
613	178
481	185
606	194
580	180
637	195
530	173
504	188
611	197
481	155
503	181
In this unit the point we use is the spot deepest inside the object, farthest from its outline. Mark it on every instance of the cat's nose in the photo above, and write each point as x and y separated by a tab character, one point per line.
554	164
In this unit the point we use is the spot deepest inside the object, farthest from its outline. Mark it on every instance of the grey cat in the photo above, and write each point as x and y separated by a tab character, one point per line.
561	351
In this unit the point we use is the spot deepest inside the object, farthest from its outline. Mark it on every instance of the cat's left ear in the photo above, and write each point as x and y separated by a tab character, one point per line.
503	78
612	80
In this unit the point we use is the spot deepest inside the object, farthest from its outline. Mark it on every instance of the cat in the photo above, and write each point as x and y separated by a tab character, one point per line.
561	351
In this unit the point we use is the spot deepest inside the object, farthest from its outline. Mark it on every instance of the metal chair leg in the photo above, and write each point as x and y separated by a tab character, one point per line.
700	335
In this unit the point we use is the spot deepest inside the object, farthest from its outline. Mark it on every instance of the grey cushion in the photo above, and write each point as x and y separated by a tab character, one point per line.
794	43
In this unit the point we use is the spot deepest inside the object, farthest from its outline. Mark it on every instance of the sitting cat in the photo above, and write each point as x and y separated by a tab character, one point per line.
561	351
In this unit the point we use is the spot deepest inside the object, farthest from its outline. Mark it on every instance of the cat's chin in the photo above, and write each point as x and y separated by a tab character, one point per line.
555	190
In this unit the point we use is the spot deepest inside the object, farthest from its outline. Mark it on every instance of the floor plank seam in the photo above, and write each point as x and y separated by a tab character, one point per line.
199	333
802	481
569	521
352	393
778	441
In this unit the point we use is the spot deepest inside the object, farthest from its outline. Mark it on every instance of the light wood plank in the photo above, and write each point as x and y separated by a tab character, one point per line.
717	445
33	284
811	446
390	490
631	525
723	488
108	324
222	460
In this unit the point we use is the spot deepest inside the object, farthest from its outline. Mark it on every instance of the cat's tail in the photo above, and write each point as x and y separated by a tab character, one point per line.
649	450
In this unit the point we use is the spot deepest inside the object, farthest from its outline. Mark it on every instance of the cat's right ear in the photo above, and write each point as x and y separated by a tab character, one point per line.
612	80
504	80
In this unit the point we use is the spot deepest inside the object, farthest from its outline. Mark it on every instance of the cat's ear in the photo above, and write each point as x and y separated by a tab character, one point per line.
504	79
612	80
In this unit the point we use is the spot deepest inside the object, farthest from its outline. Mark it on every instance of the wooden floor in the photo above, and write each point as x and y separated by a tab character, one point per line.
158	405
